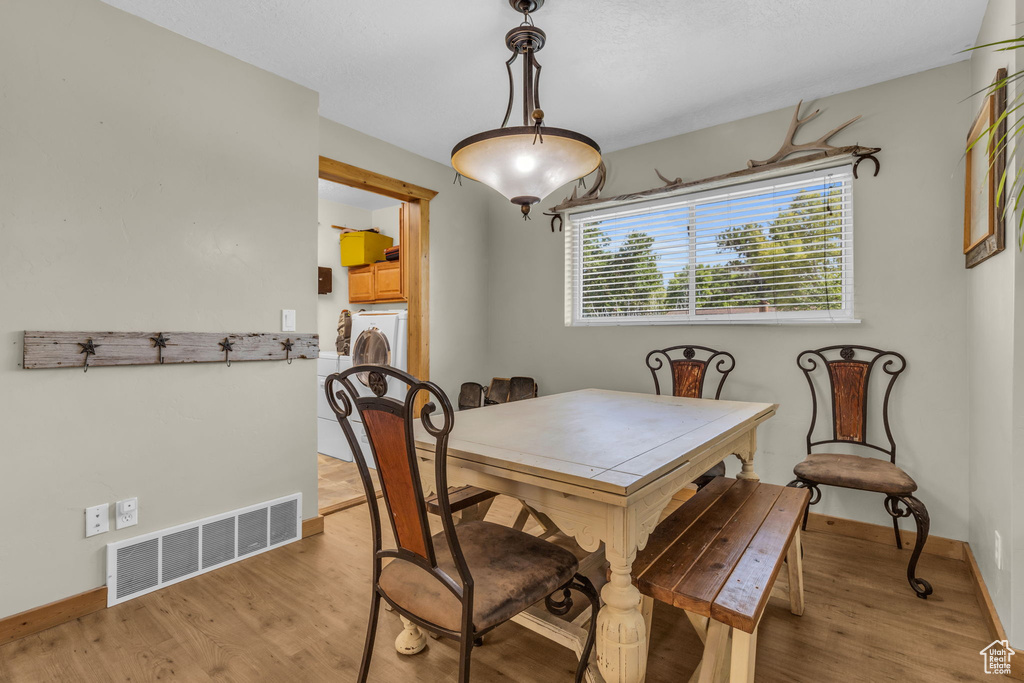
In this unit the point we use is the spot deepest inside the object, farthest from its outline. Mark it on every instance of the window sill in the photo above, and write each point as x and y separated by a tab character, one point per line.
779	322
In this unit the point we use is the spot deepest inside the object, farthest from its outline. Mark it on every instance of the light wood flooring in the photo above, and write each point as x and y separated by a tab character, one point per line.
298	613
339	484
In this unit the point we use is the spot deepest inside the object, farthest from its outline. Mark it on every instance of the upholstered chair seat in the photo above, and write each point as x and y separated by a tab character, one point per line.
838	378
459	583
855	472
511	569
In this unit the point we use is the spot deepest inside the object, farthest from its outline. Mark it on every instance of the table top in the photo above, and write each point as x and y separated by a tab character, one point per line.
611	441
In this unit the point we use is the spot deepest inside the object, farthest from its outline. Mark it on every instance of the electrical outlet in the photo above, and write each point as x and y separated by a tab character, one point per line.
97	520
999	551
287	320
127	513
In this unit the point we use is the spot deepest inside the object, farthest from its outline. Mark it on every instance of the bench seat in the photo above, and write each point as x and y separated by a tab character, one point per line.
718	556
460	498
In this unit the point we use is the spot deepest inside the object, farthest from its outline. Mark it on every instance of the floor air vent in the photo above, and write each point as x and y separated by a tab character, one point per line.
146	563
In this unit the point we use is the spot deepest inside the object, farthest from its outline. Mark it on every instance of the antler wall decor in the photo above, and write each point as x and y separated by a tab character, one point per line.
818	149
591	195
790	147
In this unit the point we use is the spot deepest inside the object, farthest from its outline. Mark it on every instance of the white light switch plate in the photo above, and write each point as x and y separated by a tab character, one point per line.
97	519
287	320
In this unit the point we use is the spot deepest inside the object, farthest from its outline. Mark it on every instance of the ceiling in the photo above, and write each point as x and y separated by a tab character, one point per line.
424	75
352	196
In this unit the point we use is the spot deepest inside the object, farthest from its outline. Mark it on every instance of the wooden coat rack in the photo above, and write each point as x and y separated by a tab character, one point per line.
95	349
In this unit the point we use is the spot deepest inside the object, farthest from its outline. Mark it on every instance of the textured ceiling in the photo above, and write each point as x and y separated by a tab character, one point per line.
425	75
352	196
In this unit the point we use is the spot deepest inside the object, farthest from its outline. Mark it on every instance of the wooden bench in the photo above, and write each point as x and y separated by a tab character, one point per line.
717	557
468	503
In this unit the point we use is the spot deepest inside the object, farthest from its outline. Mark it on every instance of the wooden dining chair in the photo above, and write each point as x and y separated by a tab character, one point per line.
464	581
689	376
848	369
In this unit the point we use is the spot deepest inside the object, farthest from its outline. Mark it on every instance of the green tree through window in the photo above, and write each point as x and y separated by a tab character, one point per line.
792	262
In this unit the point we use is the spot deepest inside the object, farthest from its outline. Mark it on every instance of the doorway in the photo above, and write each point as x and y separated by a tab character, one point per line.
340	486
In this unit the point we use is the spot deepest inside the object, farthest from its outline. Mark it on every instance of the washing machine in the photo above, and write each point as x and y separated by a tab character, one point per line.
381	338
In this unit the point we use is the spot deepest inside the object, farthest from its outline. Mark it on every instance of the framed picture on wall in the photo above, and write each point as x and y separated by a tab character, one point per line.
984	225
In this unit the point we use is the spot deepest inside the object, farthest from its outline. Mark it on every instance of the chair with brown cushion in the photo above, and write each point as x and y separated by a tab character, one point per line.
847	369
520	388
471	395
497	392
463	581
689	376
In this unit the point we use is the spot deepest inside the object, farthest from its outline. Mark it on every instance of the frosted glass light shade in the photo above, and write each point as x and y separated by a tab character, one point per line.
517	164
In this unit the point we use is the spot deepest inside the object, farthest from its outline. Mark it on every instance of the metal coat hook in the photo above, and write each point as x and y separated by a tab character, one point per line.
287	344
160	343
226	346
89	349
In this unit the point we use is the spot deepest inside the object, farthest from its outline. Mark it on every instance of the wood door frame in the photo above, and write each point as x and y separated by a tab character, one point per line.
415	250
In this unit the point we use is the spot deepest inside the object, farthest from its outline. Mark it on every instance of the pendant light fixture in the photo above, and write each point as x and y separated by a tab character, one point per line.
526	163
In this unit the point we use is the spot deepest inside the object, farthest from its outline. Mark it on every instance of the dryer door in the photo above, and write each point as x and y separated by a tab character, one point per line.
371	347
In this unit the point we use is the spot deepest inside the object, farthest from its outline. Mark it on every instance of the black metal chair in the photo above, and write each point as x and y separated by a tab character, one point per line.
689	374
848	369
471	395
501	390
459	583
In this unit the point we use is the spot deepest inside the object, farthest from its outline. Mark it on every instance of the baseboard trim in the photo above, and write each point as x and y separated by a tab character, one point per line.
312	526
61	611
988	611
935	545
345	504
68	609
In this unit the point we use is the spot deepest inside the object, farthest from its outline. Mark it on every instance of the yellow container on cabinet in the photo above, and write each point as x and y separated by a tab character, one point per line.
361	248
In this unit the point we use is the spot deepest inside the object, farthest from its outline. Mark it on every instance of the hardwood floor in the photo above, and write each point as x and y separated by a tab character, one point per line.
339	484
299	614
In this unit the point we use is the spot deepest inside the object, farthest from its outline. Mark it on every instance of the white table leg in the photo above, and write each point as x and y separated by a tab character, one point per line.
411	640
621	631
746	457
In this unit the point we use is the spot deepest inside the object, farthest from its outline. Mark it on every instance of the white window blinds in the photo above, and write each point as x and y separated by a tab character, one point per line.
778	250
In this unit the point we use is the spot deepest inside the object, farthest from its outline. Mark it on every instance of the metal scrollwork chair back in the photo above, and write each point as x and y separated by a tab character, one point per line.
431	580
849	370
689	376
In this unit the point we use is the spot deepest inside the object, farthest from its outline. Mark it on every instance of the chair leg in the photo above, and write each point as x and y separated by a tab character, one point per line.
815	496
896	530
583	585
371	633
913	506
465	652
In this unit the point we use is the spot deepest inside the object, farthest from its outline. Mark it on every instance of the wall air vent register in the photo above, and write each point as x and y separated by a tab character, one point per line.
143	564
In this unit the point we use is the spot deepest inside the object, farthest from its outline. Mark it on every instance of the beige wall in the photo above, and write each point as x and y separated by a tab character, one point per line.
146	183
910	289
458	250
990	319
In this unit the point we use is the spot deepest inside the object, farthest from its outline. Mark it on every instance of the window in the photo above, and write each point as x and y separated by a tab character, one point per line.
776	250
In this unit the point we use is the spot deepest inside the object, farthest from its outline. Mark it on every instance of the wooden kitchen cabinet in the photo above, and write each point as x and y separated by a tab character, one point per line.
360	284
387	283
376	283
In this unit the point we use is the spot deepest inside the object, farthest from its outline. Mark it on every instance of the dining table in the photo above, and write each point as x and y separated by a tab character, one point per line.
601	466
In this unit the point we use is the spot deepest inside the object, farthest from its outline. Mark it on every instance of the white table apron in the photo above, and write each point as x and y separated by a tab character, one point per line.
621	522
